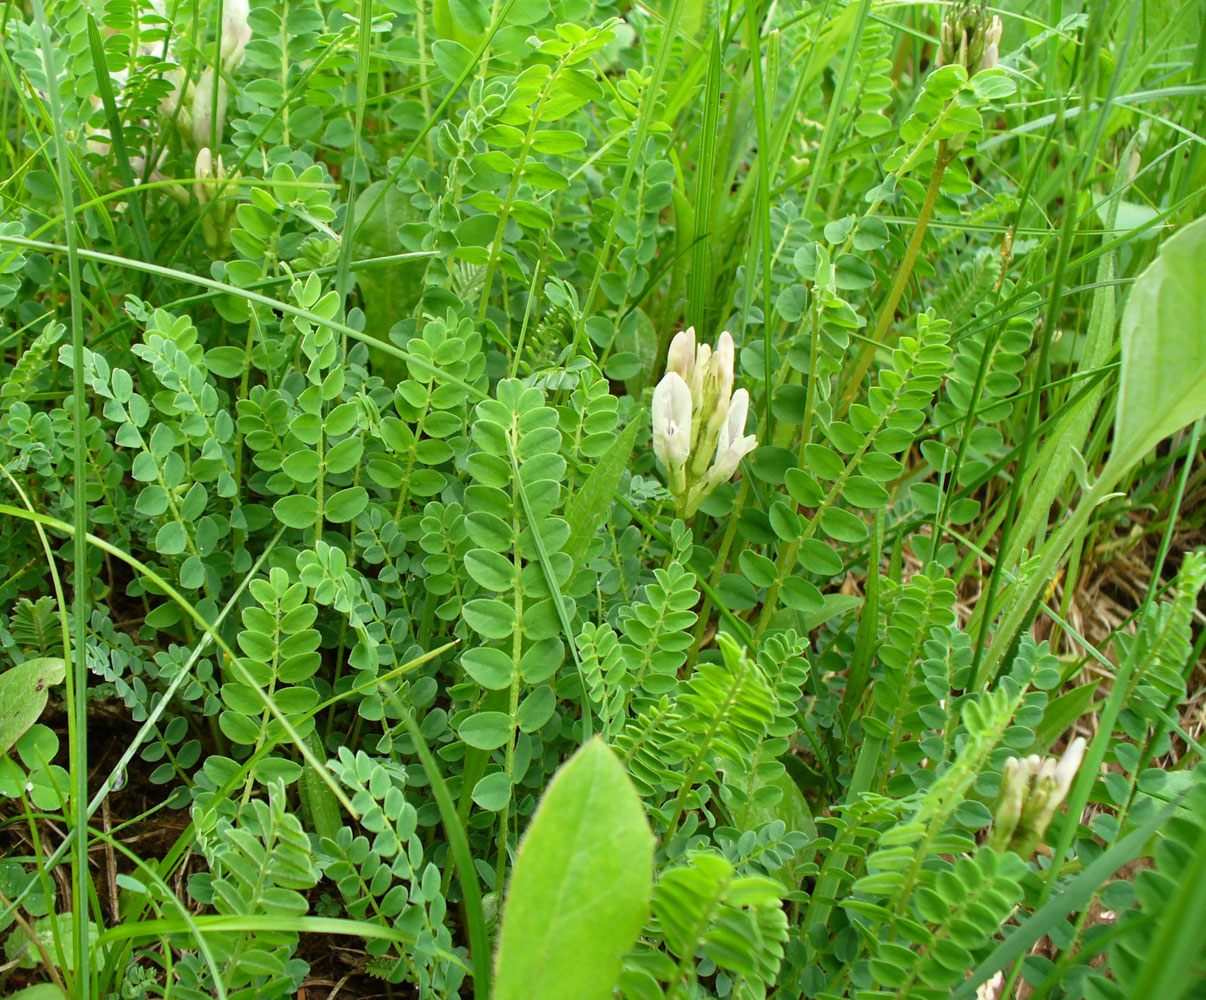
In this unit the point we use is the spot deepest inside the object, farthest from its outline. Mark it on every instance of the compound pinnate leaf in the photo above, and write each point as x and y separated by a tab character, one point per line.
591	503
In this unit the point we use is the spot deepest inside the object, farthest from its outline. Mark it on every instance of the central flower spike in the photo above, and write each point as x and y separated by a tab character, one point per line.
698	421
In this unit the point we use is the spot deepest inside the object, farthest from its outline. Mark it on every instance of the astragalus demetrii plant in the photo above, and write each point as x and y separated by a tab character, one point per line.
399	596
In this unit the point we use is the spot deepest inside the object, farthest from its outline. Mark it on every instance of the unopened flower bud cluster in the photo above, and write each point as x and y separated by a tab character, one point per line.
698	420
969	37
1033	788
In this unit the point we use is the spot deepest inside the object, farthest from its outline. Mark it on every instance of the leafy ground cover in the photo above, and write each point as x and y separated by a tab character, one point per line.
570	499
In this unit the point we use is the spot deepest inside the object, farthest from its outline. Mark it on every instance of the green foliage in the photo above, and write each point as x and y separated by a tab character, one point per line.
259	863
34	624
333	327
1160	922
735	925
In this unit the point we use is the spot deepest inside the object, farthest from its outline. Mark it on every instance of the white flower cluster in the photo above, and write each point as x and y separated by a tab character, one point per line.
1033	788
698	421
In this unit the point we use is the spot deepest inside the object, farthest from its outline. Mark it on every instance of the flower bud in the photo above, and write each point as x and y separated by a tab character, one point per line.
1069	764
681	356
236	33
968	36
204	107
733	444
1031	792
698	421
1014	786
722	362
202	172
946	45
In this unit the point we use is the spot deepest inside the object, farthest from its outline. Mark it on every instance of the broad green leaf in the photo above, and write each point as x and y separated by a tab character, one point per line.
462	20
531	215
485	730
800	595
861	491
493	791
557	142
490	618
171	539
450	57
346	504
491	570
581	887
43	991
23	693
835	605
491	668
536	709
823	462
820	558
1163	384
590	504
302	466
391	291
1061	712
843	526
296	512
853	272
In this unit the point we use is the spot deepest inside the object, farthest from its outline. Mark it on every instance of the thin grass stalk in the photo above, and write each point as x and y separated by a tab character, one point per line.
701	255
1030	433
77	668
760	235
362	64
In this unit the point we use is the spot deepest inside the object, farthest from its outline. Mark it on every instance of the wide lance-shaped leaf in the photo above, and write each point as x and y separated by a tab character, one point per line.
581	887
23	693
391	291
1163	385
591	503
43	991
